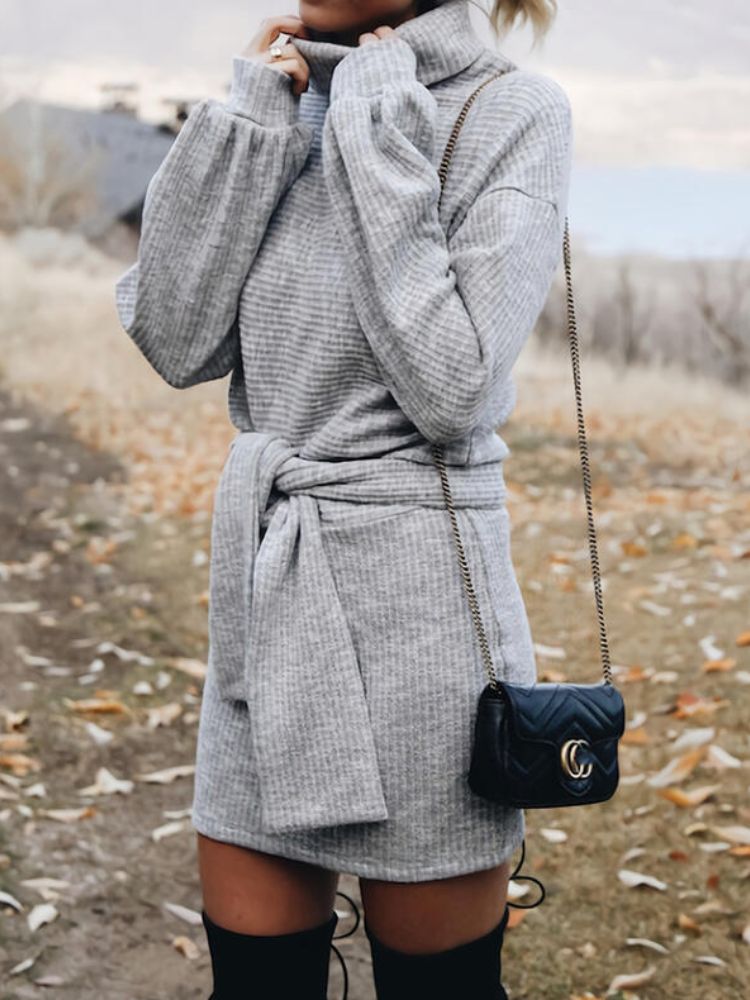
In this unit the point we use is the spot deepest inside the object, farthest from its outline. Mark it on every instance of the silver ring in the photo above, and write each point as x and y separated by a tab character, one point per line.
276	51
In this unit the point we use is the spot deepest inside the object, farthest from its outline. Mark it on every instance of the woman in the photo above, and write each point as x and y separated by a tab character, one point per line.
293	237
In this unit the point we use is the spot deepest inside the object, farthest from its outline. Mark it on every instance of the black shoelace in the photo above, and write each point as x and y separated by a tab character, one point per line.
527	878
348	933
352	930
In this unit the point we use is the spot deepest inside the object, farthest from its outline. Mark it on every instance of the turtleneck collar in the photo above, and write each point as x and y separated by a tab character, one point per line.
442	39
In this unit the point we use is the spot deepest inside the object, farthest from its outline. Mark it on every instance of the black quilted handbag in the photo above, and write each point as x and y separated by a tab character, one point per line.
545	744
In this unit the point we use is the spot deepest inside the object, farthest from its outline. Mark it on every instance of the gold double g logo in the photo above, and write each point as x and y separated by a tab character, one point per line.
569	759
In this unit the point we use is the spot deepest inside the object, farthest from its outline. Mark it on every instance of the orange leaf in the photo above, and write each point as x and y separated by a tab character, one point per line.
635	673
684	541
635	737
715	666
633	549
686	800
13	741
687	923
19	763
99	706
699	706
677	769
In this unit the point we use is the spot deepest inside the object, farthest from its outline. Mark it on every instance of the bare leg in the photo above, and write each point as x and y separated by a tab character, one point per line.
256	893
424	917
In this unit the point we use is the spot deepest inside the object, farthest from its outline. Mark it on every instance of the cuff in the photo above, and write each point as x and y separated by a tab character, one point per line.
367	68
261	93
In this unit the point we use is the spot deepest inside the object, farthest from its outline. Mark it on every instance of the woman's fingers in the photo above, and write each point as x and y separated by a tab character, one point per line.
384	31
291	62
272	27
293	65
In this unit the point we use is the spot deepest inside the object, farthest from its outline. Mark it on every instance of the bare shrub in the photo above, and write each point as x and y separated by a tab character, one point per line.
636	309
42	182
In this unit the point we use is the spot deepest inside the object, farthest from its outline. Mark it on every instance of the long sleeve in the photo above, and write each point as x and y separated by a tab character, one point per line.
446	310
206	210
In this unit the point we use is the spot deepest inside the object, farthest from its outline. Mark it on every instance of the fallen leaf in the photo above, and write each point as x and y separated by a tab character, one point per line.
687	800
635	737
735	834
677	769
168	830
694	737
192	917
632	879
646	943
42	913
97	706
719	666
709	649
193	668
68	815
7	900
186	947
49	980
22	966
720	759
163	715
13	741
687	923
19	763
632	980
126	655
107	784
634	549
48	888
99	735
168	775
553	835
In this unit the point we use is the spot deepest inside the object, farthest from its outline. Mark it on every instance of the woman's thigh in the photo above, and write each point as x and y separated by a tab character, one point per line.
421	917
253	892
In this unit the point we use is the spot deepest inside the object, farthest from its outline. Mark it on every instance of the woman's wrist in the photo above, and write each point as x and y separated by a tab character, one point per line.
262	94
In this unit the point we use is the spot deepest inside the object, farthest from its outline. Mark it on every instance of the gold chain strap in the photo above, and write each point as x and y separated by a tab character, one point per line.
583	448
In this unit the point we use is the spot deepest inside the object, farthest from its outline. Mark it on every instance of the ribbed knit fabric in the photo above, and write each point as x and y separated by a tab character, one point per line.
296	243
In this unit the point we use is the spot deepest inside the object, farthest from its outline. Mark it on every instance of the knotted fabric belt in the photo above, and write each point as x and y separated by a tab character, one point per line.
278	636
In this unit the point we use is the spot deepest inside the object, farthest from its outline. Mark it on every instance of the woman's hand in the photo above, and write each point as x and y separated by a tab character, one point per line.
384	31
292	63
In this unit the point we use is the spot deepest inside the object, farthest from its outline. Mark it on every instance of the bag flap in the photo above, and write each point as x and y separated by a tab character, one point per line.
549	712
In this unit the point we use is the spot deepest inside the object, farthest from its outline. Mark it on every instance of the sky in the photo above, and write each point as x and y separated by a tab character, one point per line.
660	93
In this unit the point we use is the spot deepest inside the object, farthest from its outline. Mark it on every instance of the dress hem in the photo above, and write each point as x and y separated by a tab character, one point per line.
357	868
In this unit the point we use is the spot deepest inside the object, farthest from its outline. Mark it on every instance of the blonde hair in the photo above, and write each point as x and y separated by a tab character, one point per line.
541	14
505	13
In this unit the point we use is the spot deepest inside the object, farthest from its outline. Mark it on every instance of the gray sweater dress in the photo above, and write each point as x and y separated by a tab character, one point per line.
296	243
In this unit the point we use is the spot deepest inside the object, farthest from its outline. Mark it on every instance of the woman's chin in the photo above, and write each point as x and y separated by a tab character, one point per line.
324	16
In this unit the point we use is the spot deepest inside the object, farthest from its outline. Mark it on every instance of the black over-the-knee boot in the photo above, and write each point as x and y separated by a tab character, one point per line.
290	966
471	969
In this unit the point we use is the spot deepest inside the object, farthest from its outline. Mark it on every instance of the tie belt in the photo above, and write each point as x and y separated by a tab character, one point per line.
278	635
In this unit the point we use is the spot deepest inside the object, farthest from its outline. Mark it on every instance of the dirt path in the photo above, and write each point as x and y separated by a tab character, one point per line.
79	572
